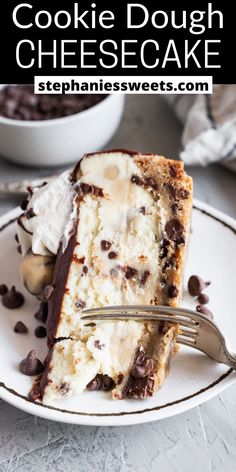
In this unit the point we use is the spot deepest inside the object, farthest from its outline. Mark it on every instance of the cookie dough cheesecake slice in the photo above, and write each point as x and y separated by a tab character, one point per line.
127	242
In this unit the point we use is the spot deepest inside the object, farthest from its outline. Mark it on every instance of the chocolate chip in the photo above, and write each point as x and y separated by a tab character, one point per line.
173	170
112	255
138	371
172	291
144	277
203	298
204	310
97	192
64	388
30	214
105	245
142	210
24	204
98	344
20	327
136	180
40	332
174	208
149	182
31	365
120	378
196	285
163	327
3	289
17	238
177	193
48	292
130	272
107	383
164	248
101	382
86	188
174	229
13	299
94	384
80	304
142	365
85	270
42	312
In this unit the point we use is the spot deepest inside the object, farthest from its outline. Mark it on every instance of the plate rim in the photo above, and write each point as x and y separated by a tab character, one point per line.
133	417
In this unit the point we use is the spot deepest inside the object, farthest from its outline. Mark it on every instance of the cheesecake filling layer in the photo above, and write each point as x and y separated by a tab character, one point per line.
116	257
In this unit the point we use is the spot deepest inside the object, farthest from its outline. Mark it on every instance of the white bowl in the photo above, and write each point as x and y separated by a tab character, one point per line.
62	140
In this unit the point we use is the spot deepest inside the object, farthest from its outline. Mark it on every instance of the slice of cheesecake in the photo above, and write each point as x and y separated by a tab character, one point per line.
131	224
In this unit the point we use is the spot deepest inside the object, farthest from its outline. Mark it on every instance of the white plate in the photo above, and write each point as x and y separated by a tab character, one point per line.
193	378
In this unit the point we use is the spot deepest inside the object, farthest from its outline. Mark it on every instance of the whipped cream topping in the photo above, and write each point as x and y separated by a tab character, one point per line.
52	218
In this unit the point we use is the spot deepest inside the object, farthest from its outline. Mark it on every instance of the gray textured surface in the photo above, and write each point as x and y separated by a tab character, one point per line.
201	440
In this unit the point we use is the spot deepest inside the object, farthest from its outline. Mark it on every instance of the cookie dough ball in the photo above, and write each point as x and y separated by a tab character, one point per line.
37	272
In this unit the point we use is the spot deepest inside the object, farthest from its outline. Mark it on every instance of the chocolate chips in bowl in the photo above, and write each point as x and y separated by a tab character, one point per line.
54	129
18	102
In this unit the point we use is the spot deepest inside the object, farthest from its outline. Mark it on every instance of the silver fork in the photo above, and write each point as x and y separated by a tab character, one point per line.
196	330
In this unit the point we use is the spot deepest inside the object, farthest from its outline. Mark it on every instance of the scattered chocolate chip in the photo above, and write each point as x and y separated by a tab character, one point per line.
3	289
86	188
42	312
203	298
85	270
20	327
196	285
31	365
174	229
144	277
98	344
30	214
48	292
173	171
80	304
40	332
63	388
13	299
19	249
204	310
105	245
112	255
24	204
130	272
142	210
17	238
136	180
172	291
149	182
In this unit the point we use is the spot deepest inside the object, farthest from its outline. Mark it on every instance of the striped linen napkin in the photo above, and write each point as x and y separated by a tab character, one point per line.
209	126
